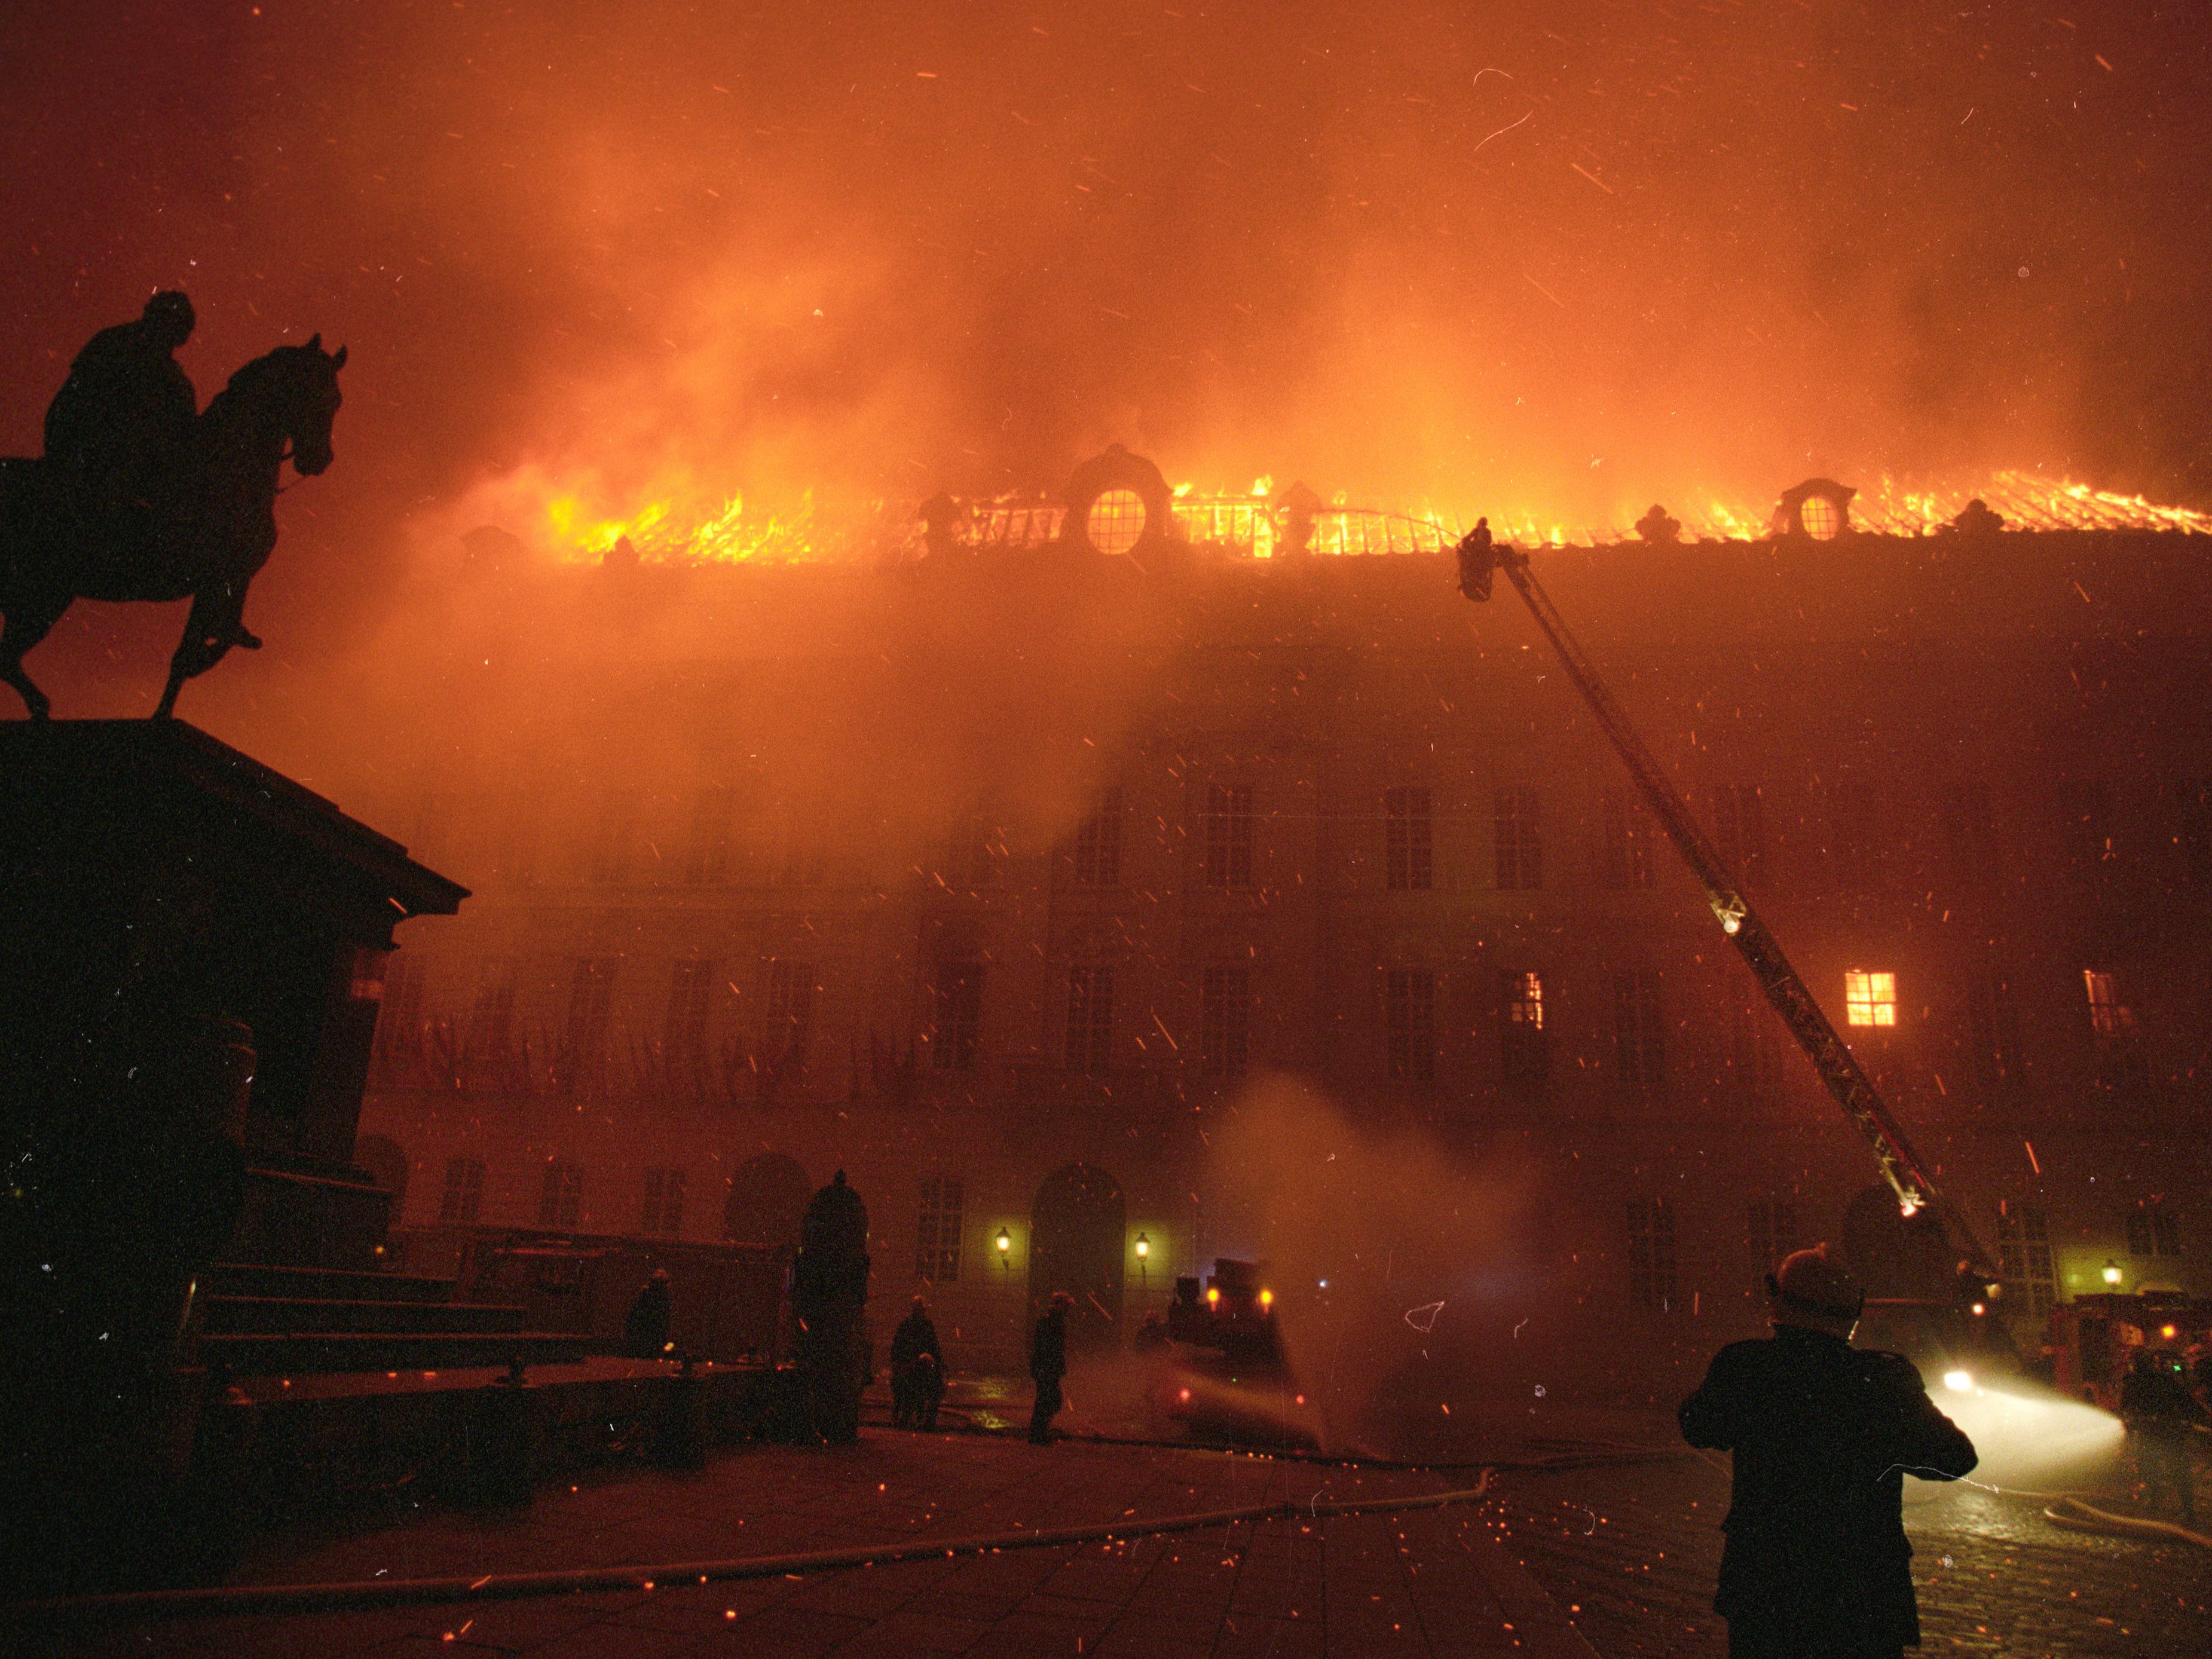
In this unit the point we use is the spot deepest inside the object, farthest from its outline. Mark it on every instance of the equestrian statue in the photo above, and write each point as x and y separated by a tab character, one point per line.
141	495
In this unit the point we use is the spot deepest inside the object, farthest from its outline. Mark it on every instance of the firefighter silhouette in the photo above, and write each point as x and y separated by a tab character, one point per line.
1816	1561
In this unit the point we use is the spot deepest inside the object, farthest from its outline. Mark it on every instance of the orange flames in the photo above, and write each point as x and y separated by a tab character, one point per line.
675	525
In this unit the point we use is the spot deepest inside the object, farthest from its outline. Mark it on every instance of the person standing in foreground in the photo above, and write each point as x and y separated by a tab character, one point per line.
1047	1364
2162	1419
1816	1561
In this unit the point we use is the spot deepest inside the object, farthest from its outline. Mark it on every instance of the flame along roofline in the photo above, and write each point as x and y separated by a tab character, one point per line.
1252	524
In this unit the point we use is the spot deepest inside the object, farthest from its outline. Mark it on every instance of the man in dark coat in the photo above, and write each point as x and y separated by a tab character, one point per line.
1047	1364
645	1332
2162	1417
1816	1561
917	1370
121	422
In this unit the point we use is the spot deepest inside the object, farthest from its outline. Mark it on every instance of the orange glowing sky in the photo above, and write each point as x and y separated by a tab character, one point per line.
1566	257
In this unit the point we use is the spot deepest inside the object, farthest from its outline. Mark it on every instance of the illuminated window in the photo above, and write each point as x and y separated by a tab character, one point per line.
662	1213
463	1194
1099	844
561	1198
2024	1258
937	1234
2108	1016
1224	1020
1822	519
1520	839
1409	1022
1870	998
1524	1045
1651	1278
1117	521
1089	1018
1406	841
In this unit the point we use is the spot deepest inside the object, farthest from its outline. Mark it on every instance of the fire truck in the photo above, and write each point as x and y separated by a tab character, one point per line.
1218	1363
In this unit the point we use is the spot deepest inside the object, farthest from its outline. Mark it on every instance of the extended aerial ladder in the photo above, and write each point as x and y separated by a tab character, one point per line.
1901	1167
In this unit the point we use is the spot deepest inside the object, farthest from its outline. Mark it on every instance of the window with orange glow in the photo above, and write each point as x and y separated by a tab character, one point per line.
1822	519
2108	1015
1870	998
1117	521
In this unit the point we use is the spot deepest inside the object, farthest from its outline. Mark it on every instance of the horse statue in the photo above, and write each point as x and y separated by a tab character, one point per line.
209	529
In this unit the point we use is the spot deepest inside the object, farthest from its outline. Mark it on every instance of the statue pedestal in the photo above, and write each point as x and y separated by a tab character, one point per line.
192	951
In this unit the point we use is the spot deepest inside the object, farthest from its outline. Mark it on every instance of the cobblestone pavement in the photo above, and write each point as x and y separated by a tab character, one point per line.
1631	1553
1417	1583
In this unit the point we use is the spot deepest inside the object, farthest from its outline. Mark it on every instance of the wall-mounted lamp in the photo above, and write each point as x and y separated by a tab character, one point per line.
2113	1272
1004	1241
1144	1265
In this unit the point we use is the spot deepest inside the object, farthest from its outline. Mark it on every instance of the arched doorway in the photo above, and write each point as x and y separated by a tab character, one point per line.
768	1201
1892	1254
1076	1228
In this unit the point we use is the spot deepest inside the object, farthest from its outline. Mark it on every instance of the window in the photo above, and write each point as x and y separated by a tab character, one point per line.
2086	828
1090	1019
708	862
959	996
1993	1029
1970	848
610	839
1524	1044
690	996
1228	835
790	1013
2153	1230
1854	838
1639	1042
1409	1023
561	1198
1822	519
2194	832
2024	1258
1225	1020
971	854
1740	824
1751	1052
2108	1016
1869	998
463	1195
937	1234
513	850
1117	521
400	1014
1627	843
662	1214
1406	841
1099	844
802	861
1520	839
1651	1255
1772	1224
489	1057
582	1069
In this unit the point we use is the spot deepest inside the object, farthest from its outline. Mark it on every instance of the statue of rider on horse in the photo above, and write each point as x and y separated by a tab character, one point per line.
141	495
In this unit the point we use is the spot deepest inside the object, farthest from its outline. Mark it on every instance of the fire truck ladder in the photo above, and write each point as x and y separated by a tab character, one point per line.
1901	1167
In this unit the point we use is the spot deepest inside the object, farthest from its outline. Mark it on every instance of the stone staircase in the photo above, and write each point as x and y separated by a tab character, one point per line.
259	1320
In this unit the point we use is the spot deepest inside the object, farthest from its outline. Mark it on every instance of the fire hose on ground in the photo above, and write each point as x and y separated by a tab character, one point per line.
240	1599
